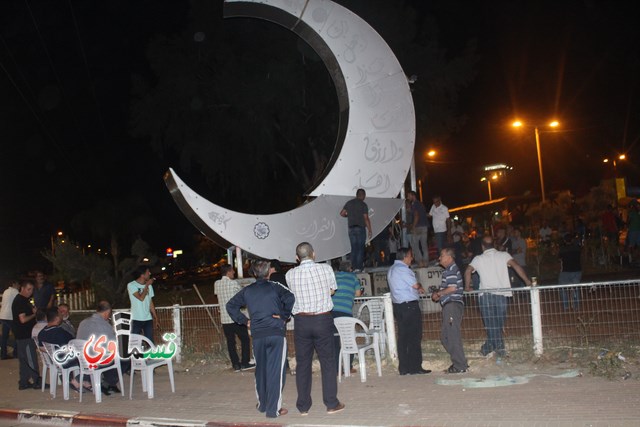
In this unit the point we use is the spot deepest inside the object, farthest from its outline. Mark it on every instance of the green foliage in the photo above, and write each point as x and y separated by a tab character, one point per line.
96	270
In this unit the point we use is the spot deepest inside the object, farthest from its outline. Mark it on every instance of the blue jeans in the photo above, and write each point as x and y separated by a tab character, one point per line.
567	278
357	238
419	237
6	329
441	240
143	327
493	309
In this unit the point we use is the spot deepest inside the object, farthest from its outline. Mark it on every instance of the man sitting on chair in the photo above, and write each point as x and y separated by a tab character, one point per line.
98	324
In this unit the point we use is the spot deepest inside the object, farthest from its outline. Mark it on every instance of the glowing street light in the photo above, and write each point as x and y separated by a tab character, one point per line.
488	180
553	124
614	163
430	155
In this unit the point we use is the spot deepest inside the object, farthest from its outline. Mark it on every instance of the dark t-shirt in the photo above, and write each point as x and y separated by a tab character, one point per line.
417	208
54	335
570	257
21	305
356	209
42	295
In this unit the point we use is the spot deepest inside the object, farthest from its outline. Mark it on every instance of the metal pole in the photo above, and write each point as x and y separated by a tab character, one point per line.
391	327
489	188
177	329
540	165
536	322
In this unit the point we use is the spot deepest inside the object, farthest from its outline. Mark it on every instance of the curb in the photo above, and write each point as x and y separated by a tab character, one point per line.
64	418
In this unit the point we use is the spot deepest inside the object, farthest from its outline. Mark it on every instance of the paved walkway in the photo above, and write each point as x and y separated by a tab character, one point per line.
209	397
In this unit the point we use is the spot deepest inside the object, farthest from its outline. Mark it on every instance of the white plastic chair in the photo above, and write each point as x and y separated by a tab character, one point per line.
57	370
45	362
94	374
375	310
346	327
146	366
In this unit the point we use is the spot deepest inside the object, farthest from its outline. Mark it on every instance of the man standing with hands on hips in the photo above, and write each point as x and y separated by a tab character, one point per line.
405	295
143	312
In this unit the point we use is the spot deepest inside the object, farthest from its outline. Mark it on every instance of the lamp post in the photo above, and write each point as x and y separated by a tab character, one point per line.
553	124
484	178
430	154
615	165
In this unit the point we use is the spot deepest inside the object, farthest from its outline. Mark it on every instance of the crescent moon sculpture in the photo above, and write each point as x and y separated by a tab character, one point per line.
374	145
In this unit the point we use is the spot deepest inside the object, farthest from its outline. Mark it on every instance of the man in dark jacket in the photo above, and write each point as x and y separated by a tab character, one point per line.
269	304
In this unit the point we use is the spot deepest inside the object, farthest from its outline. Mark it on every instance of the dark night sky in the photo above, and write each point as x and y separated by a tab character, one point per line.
65	83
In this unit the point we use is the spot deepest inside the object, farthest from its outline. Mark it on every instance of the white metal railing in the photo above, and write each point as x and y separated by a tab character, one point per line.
606	312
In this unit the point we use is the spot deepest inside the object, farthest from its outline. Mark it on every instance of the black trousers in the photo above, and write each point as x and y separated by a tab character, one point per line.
409	321
315	333
231	330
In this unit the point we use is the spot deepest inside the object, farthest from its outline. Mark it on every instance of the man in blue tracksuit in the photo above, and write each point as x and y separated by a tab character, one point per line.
269	304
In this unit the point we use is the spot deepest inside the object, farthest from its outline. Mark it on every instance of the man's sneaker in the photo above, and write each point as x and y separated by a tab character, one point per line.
337	409
236	368
248	366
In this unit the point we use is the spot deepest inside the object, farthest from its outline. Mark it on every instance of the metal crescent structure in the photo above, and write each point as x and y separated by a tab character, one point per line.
374	146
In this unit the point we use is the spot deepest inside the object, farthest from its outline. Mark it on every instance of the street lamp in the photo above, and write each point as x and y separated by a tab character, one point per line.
553	124
430	155
484	178
613	161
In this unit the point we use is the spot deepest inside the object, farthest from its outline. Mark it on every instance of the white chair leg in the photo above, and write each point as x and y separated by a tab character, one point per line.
131	375
340	366
150	383
95	384
81	381
346	364
376	352
65	385
53	381
170	368
44	374
143	376
363	367
120	380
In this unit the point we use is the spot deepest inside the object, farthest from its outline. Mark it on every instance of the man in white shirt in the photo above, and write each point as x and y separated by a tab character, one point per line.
225	289
143	312
6	316
313	284
493	268
441	222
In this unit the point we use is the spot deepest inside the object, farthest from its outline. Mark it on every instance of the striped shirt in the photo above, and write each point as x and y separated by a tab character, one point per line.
312	283
451	277
225	289
348	284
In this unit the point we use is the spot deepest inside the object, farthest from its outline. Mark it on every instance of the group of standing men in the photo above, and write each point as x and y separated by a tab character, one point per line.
270	305
357	213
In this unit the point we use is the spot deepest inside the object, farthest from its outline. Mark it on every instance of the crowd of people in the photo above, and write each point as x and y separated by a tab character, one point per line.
29	313
314	294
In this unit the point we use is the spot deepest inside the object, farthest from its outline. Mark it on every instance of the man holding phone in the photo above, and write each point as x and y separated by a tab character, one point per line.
143	312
